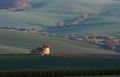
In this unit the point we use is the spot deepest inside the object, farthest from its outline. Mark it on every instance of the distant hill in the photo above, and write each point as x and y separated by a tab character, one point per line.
46	13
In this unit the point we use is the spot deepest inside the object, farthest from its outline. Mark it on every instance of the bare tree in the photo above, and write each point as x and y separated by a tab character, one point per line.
111	45
85	39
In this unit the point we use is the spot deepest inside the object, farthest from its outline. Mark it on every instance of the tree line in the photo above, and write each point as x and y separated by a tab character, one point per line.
14	5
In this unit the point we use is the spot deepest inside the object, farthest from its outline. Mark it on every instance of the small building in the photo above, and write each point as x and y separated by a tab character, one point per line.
46	50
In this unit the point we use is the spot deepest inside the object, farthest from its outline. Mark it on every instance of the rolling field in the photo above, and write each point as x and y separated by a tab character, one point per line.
47	13
108	21
18	42
14	62
12	50
68	57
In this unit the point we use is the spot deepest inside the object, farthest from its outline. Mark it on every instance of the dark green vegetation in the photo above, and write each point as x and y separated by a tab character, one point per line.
51	66
61	73
96	76
52	62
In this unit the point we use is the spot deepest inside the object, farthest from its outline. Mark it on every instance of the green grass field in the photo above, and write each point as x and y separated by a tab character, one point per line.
18	42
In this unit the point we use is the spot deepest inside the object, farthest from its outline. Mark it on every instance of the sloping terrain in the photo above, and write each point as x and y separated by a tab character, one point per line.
108	20
46	13
18	42
12	50
105	20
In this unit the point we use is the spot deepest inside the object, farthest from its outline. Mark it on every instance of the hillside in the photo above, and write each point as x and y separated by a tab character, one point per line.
50	11
45	14
18	42
107	20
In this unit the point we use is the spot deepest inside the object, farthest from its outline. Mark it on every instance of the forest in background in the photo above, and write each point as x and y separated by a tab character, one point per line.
14	5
